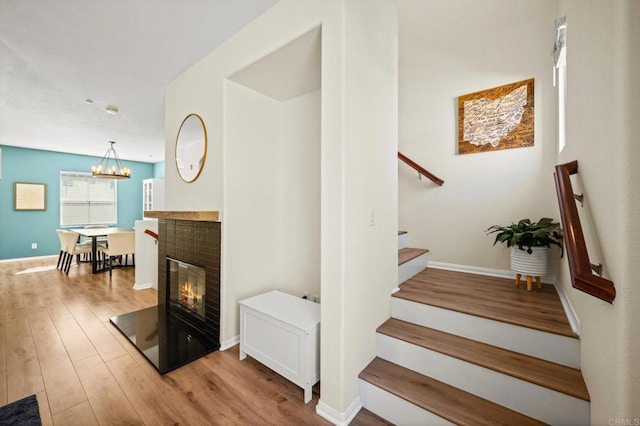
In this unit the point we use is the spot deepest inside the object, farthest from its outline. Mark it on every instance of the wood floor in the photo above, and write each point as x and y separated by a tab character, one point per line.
56	342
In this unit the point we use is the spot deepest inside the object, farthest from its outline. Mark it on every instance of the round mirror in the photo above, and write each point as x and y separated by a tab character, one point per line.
191	147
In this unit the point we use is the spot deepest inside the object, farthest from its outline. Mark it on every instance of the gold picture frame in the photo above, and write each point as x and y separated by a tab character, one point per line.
499	118
29	196
191	148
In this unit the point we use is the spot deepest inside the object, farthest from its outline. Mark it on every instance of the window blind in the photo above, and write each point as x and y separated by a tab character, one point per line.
85	200
559	45
560	64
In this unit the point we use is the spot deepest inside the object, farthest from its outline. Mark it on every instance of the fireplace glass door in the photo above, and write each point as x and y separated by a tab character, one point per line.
186	287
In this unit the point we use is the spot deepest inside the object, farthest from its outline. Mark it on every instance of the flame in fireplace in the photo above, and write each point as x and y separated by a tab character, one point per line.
188	293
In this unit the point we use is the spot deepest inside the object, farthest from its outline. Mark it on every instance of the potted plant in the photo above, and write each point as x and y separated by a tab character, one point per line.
529	242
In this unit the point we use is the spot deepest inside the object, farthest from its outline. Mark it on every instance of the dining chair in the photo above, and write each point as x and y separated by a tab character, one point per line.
119	244
63	249
73	248
99	240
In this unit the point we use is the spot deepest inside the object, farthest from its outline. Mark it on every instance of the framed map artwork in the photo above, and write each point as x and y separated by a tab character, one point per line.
498	118
29	196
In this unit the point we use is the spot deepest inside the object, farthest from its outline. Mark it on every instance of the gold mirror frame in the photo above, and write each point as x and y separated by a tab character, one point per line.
191	148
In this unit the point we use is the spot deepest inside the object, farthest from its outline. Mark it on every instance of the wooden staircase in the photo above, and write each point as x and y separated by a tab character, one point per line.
410	260
472	350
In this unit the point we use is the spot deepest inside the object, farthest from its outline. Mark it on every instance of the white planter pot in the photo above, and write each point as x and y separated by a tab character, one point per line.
534	264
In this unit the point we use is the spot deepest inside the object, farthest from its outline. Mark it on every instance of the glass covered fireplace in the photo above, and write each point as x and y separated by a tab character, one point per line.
186	291
185	324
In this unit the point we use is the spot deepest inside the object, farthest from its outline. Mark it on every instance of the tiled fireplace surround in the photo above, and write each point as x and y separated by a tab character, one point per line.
165	340
196	243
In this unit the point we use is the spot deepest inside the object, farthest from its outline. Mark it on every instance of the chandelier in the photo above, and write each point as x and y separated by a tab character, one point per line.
111	167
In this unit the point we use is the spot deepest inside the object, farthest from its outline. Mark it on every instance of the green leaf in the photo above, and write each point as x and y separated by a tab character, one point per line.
528	234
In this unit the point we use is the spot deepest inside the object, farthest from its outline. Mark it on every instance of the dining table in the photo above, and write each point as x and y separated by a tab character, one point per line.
94	234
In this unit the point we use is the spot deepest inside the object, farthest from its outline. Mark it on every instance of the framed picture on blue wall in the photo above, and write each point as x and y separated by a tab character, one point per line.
29	196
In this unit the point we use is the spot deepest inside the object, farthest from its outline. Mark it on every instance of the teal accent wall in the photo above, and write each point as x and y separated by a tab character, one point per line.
158	170
19	229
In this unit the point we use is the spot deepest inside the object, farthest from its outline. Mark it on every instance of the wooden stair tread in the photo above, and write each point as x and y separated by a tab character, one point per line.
544	373
407	254
444	400
489	297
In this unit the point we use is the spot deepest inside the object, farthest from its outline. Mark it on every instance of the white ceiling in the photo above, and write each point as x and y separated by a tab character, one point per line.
56	54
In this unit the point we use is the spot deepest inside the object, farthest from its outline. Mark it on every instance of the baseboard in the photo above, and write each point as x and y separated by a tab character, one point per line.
229	343
53	256
144	286
341	419
490	272
574	321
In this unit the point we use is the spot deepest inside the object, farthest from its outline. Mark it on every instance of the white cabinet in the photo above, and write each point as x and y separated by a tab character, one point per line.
283	332
152	194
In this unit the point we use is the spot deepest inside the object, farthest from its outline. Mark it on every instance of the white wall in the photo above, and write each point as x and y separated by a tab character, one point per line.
452	48
460	46
272	176
602	134
243	173
272	217
184	96
252	215
371	178
358	170
301	194
446	49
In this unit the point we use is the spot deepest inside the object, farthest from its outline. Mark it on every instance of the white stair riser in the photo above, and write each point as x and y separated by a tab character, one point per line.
412	267
402	241
548	346
535	401
395	409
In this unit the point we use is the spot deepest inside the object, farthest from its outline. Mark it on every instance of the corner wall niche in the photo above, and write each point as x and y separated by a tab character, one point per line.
289	72
272	153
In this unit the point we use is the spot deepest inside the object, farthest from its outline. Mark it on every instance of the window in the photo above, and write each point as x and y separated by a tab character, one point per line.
560	63
85	200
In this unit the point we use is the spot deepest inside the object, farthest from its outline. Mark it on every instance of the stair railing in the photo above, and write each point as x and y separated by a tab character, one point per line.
152	234
580	267
421	170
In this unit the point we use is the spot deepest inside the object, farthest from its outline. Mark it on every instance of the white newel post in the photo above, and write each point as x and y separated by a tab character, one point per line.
146	255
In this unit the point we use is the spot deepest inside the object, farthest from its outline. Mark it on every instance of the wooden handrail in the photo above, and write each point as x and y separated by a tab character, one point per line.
582	277
421	170
150	232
